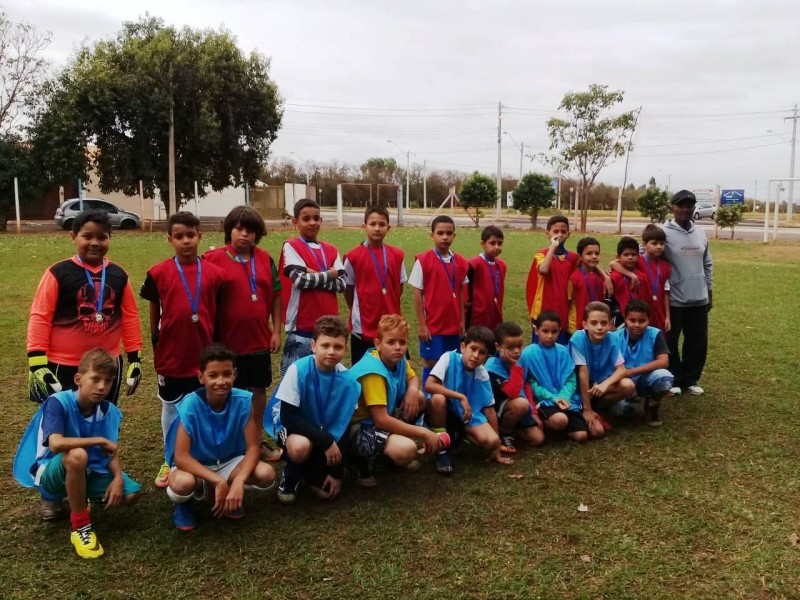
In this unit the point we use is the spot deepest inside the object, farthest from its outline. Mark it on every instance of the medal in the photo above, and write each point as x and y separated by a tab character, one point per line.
451	272
454	294
655	297
98	317
195	318
494	270
254	298
383	275
251	276
99	292
383	291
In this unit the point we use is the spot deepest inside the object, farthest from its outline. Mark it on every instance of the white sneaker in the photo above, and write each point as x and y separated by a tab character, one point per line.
695	390
675	391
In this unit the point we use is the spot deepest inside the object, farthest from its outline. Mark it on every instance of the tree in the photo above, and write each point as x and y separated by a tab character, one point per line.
533	193
589	138
654	204
123	96
478	191
730	215
16	160
652	182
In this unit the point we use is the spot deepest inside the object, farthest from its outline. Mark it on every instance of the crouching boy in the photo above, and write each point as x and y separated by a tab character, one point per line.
70	450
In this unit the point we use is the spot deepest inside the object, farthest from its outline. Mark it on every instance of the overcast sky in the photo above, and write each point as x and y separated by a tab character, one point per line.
714	79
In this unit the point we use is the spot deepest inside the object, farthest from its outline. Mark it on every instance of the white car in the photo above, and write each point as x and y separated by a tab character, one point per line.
121	219
705	209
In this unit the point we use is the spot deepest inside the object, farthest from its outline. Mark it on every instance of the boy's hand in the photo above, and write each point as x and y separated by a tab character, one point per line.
634	282
423	332
332	273
233	501
331	487
275	341
609	285
555	242
466	408
667	325
506	358
220	495
562	404
589	416
333	455
433	441
411	403
109	447
599	389
113	495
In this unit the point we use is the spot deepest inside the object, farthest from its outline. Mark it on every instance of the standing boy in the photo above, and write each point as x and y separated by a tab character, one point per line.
310	412
548	277
438	278
311	275
182	292
215	442
70	450
487	281
624	288
83	302
375	274
587	283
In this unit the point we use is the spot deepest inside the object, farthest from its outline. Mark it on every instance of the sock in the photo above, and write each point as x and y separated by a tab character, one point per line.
292	473
169	412
79	519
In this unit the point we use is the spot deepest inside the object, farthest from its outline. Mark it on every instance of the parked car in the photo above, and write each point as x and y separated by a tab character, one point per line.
121	219
705	209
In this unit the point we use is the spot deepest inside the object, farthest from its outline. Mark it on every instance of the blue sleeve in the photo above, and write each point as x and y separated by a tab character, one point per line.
53	419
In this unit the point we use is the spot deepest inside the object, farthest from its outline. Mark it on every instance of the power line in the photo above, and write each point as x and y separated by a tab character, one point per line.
751	137
712	151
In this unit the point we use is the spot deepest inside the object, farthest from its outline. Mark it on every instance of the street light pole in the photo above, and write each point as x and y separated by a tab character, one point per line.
794	118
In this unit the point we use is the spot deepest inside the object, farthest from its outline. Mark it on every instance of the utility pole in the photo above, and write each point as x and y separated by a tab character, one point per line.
499	160
790	199
625	177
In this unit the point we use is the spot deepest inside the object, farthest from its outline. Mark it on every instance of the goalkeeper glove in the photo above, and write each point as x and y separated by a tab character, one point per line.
41	381
134	373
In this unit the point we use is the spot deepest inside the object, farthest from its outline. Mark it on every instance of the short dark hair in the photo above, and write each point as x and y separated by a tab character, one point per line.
506	329
248	218
585	242
301	204
182	218
653	233
480	334
547	315
216	352
442	219
330	325
490	232
376	208
557	219
596	307
92	216
627	243
637	305
100	361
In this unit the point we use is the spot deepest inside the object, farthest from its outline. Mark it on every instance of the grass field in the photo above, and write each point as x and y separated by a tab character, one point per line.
703	507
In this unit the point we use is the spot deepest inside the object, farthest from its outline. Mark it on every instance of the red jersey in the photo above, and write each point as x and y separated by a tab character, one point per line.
654	283
379	275
623	290
443	291
488	282
302	307
584	287
243	321
181	339
66	320
549	292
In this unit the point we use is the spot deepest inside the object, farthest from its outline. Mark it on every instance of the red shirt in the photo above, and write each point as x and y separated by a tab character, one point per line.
580	295
306	306
549	292
443	293
623	291
488	282
653	276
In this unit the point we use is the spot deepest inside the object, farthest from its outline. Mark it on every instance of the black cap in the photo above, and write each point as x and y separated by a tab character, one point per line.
683	195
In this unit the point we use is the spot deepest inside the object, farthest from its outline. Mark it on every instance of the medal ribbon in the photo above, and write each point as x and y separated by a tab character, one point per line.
654	285
323	265
252	274
495	274
194	301
589	288
451	272
98	297
382	277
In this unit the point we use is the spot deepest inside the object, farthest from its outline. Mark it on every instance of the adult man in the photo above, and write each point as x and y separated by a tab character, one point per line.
690	293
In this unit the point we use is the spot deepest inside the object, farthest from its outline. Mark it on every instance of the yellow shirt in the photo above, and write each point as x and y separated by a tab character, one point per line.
373	392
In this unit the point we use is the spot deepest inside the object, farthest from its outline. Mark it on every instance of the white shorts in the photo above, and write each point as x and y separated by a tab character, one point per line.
223	469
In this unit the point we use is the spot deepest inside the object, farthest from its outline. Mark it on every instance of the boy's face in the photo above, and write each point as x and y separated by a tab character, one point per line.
328	351
547	332
217	378
635	323
590	257
392	346
510	347
492	247
628	258
654	248
376	228
473	355
185	241
308	223
91	243
443	236
597	324
559	230
93	386
242	239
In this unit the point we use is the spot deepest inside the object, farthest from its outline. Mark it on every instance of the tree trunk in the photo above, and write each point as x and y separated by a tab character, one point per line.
584	208
534	217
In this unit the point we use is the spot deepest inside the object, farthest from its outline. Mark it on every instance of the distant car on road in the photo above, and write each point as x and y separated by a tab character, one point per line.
120	219
705	209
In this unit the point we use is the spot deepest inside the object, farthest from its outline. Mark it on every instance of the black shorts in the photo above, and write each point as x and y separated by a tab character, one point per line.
575	420
173	389
66	377
253	371
359	347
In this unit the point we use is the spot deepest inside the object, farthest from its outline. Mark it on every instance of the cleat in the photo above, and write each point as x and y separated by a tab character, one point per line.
507	444
183	516
287	490
443	464
50	510
85	542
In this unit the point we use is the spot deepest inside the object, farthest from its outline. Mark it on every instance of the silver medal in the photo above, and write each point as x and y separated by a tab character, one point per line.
98	317
195	318
254	298
383	291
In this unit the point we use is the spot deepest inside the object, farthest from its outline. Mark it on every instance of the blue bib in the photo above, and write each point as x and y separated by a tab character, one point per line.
642	351
551	367
395	381
600	358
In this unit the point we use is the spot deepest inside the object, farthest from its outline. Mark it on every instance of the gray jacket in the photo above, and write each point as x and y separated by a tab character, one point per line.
692	267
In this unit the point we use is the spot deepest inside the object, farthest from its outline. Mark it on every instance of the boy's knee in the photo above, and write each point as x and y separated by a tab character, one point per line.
298	447
627	387
535	436
264	474
401	450
519	406
438	401
557	421
578	436
75	459
132	499
181	482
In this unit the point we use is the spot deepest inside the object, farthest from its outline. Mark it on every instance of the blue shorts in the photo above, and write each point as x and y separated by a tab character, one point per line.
52	483
655	382
438	345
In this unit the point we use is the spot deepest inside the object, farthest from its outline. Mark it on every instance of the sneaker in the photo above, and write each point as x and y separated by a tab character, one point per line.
507	444
367	482
236	514
85	542
183	516
50	510
695	390
443	464
270	454
162	479
651	409
287	491
675	391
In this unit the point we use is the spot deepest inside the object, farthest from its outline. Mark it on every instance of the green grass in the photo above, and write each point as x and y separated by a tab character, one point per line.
700	508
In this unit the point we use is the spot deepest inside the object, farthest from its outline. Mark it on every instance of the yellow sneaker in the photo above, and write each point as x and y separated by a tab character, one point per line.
162	479
85	542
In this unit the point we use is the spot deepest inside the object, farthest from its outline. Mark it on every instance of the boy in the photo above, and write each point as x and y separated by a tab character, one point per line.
80	303
601	367
646	358
182	292
70	450
438	278
390	401
310	412
250	298
487	279
587	283
311	275
214	442
624	288
461	393
511	398
375	274
551	372
549	275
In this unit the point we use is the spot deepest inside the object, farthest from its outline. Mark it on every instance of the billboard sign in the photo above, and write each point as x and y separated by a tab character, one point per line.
705	195
731	197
